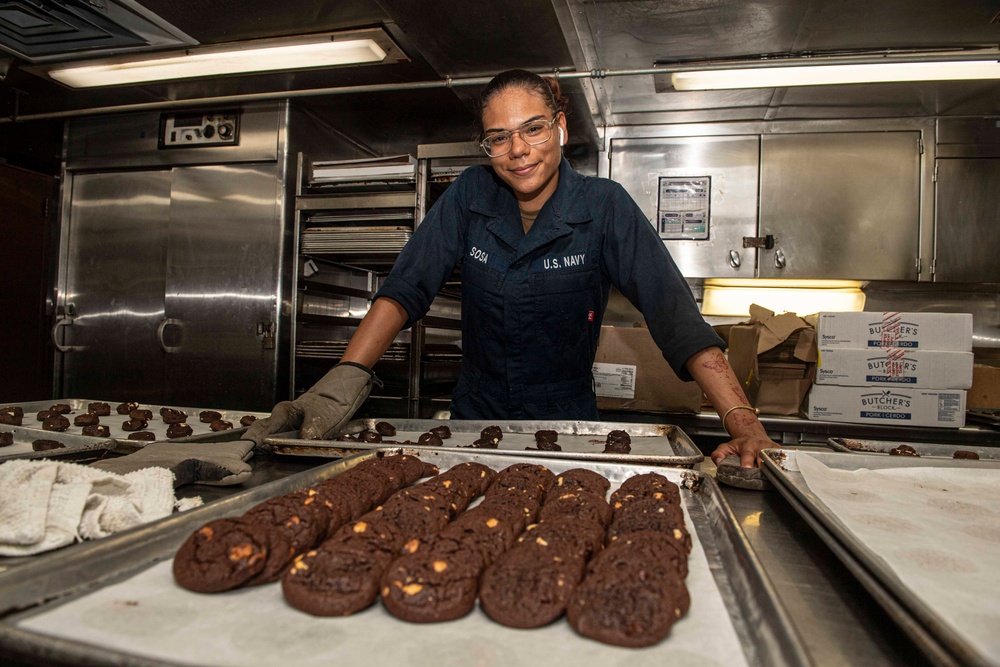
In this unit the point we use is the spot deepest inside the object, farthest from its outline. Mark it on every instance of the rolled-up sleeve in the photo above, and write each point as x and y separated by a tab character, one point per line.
639	265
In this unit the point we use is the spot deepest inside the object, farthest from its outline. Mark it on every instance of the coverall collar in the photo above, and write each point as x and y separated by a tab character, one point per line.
566	206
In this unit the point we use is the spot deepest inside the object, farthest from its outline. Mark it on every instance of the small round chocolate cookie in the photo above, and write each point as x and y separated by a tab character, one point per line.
246	420
437	582
618	442
6	438
220	556
369	435
582	537
903	450
13	410
526	588
492	433
134	425
209	416
61	408
144	436
11	419
484	443
45	414
430	440
45	445
385	428
97	430
57	423
488	531
221	425
86	419
334	580
139	413
545	446
99	408
582	478
651	515
179	430
127	407
441	431
964	454
576	504
172	416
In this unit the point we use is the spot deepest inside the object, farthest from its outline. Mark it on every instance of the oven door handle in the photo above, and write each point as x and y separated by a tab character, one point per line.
164	323
61	322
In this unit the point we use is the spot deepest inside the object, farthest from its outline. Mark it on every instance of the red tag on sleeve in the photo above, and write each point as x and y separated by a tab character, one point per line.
590	316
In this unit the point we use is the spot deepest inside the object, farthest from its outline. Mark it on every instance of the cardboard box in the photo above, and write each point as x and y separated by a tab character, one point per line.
630	373
910	331
985	391
774	358
930	369
896	406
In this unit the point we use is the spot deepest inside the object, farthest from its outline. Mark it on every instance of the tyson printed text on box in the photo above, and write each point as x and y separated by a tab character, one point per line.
895	367
897	406
909	331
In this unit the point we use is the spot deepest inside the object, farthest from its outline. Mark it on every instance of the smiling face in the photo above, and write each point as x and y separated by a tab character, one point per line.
531	171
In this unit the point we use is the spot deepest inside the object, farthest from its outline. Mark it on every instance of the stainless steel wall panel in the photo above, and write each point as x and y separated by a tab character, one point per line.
221	284
841	205
732	163
967	221
112	285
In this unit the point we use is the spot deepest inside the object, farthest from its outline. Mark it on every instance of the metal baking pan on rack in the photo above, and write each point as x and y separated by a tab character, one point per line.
652	444
200	431
890	541
115	602
77	448
940	450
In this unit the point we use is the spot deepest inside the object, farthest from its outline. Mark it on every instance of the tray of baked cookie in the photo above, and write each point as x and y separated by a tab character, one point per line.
431	567
17	442
129	424
647	444
893	448
922	536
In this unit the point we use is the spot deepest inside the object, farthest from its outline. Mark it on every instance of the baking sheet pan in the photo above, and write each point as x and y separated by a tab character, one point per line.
939	450
939	633
75	446
652	444
124	609
76	442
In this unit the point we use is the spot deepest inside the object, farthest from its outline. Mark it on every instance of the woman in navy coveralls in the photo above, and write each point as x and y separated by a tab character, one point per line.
539	248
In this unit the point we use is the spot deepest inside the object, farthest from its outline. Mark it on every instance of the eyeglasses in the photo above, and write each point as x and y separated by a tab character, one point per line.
533	132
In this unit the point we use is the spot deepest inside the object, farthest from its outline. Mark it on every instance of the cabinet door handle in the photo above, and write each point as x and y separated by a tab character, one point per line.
779	259
164	323
735	260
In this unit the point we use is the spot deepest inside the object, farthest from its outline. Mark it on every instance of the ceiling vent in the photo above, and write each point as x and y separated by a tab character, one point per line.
51	30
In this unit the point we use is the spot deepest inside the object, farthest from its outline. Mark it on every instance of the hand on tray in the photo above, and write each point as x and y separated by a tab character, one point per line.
747	447
321	411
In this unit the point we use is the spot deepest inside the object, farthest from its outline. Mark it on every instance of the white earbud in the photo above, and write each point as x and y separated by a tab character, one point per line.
562	137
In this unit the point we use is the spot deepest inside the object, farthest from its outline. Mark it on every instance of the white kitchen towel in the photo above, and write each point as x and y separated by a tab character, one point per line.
48	504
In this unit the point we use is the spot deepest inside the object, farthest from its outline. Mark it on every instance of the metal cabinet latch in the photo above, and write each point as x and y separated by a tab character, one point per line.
759	241
268	330
734	259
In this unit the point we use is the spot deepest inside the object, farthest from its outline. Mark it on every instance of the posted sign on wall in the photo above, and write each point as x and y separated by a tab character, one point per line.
682	209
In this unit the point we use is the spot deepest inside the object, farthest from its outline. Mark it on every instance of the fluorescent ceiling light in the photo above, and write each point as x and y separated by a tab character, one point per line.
822	75
258	57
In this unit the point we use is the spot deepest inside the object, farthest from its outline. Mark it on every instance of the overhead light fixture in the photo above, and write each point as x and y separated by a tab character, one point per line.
819	70
317	51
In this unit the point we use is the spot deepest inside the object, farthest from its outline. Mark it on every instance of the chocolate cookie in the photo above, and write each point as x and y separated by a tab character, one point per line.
45	414
963	454
483	443
368	435
576	504
57	423
44	445
220	556
60	408
492	433
529	588
334	580
98	430
145	436
582	537
246	420
209	416
127	407
139	413
11	419
430	440
172	416
221	425
651	515
618	442
487	531
441	431
178	430
99	408
134	425
6	438
86	419
584	479
13	411
436	582
545	446
385	428
903	450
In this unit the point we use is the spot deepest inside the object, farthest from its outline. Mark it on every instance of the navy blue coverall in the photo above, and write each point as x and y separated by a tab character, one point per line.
532	304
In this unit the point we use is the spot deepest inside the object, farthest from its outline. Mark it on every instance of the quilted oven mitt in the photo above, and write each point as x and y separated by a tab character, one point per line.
213	463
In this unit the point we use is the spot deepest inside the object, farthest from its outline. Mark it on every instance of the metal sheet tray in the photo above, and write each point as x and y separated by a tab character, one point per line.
760	626
932	634
940	450
652	444
76	447
76	442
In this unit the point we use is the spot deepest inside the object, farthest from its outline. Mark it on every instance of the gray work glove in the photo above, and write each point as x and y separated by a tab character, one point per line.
321	411
213	463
